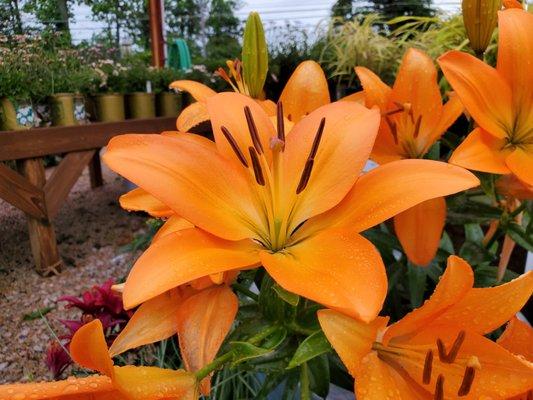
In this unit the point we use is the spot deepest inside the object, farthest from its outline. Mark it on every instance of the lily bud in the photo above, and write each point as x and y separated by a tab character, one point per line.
254	55
480	18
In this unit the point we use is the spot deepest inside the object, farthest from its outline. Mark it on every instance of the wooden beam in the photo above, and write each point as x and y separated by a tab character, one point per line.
42	236
15	145
95	170
16	190
157	42
63	178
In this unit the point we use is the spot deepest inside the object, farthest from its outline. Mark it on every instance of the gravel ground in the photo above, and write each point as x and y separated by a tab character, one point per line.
91	228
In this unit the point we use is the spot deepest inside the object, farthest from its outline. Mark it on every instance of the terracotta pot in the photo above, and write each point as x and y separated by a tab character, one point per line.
141	105
63	109
15	116
110	107
168	104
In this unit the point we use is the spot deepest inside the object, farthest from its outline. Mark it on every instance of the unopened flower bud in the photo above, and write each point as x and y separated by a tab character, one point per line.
480	18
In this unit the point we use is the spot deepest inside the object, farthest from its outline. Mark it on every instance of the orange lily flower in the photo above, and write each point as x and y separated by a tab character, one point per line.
499	99
413	119
88	348
437	351
255	197
305	91
517	338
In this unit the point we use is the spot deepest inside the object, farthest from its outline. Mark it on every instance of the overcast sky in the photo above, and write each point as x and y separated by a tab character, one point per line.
308	13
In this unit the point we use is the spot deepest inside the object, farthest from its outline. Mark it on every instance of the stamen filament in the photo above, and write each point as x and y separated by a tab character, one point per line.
234	146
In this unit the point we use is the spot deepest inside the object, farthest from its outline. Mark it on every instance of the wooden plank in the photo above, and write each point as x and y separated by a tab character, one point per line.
95	170
15	145
63	178
16	190
42	236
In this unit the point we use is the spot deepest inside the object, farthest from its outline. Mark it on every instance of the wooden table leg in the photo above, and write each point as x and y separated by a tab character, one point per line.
95	170
42	236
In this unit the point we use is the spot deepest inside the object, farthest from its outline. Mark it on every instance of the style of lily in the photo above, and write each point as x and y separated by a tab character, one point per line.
437	351
200	313
88	348
287	201
305	91
413	119
500	100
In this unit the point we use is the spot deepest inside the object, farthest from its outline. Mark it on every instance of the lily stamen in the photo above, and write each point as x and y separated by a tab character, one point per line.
393	129
306	173
468	380
439	388
234	146
280	121
253	130
428	366
258	172
450	357
417	126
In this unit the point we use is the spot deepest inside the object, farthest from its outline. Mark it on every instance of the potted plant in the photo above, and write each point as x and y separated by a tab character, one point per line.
25	80
110	84
168	103
140	99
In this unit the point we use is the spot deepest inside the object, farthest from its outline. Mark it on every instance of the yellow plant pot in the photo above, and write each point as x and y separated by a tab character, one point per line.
110	107
168	104
63	109
141	105
15	117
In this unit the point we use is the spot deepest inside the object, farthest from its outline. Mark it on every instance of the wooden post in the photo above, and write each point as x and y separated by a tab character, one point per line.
157	42
42	236
95	170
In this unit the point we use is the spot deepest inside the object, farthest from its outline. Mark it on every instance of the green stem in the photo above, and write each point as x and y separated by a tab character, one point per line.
305	393
214	365
262	335
518	210
244	290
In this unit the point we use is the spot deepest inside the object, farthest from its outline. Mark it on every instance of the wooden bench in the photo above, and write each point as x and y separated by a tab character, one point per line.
30	191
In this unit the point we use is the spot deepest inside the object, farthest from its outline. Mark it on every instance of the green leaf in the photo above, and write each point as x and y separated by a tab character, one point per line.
254	55
446	243
520	236
434	152
37	313
319	375
275	339
271	304
416	277
286	296
474	233
313	346
244	351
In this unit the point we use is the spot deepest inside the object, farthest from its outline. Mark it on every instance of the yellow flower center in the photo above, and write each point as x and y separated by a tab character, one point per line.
405	138
398	355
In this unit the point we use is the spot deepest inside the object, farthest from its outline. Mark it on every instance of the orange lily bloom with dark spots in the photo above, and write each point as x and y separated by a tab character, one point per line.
88	348
285	199
305	91
413	119
437	351
499	99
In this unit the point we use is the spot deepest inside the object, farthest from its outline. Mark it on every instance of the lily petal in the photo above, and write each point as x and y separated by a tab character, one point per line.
357	97
197	90
204	320
515	54
482	310
390	189
454	284
155	320
88	348
196	182
517	338
173	224
520	162
481	151
191	116
227	109
305	91
181	257
140	200
450	112
351	339
349	133
475	83
419	230
353	280
377	93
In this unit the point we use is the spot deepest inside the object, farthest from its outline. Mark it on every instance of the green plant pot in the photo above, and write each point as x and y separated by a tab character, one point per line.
15	116
141	105
168	104
63	109
110	107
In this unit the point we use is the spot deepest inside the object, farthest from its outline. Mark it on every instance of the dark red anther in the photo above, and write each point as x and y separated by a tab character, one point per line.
468	380
393	130
280	121
234	146
439	389
258	172
417	126
428	366
253	130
